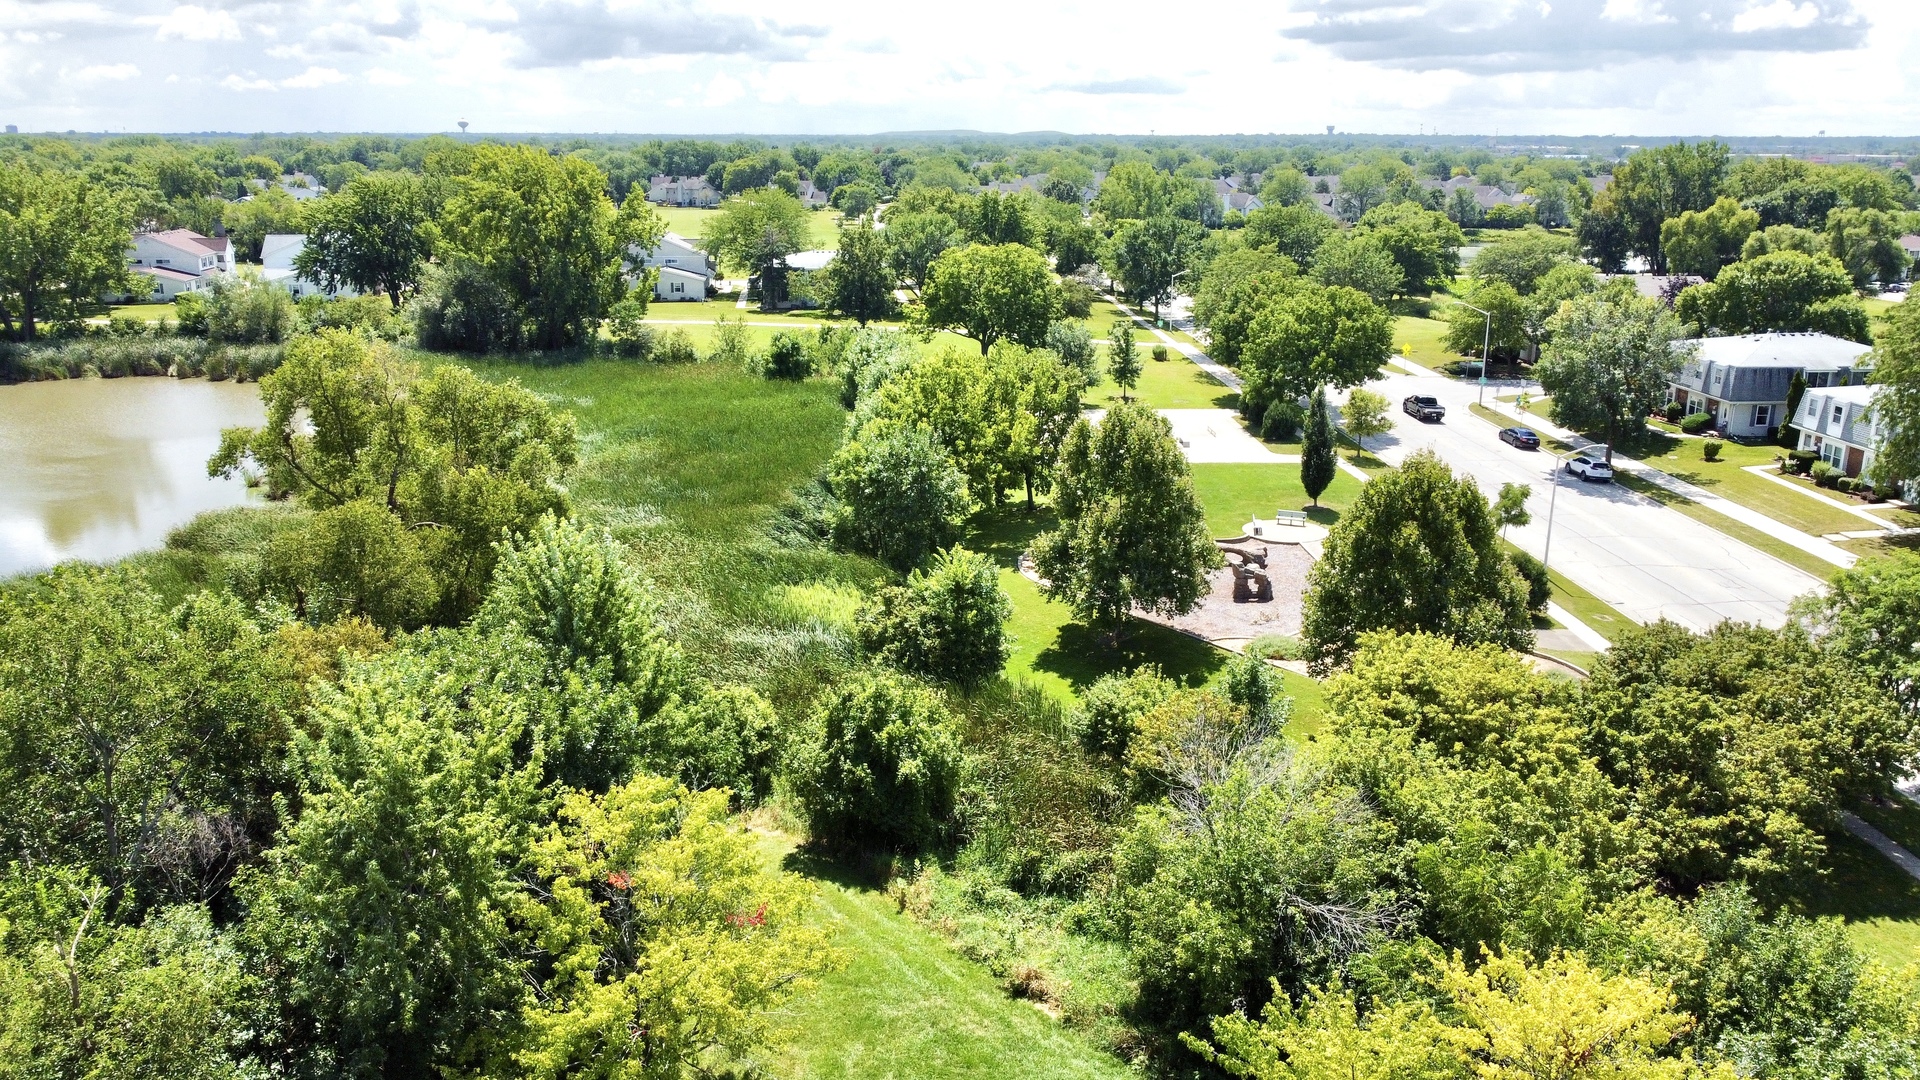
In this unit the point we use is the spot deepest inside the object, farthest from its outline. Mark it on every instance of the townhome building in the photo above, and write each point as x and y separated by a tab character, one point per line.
1742	381
277	253
1837	423
178	261
682	191
681	270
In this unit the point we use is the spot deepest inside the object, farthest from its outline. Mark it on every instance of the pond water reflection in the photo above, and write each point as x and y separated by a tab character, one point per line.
98	469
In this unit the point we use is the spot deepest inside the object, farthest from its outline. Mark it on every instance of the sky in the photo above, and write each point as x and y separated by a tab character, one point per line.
1457	67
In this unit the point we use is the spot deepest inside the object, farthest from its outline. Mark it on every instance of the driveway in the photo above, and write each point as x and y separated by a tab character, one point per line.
1644	559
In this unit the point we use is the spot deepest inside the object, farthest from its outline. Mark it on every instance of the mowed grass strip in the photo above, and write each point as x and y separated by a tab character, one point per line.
691	222
1176	383
908	1007
1234	494
1684	458
1418	340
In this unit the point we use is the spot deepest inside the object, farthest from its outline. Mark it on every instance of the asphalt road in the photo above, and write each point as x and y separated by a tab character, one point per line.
1644	559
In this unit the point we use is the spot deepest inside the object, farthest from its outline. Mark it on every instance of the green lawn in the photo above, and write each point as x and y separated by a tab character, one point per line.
691	222
1418	340
908	1007
1685	459
1234	494
149	312
1170	384
1878	901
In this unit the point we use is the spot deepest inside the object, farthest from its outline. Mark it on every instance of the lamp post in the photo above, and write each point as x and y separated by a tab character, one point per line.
1486	343
1546	549
1177	275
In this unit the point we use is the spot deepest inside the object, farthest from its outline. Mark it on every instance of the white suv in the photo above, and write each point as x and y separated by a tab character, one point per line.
1589	467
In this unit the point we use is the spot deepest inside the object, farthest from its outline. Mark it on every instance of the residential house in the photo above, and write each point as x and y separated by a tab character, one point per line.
1910	243
1836	422
1742	381
1234	194
681	270
1487	196
302	186
682	191
277	253
1034	183
179	260
811	197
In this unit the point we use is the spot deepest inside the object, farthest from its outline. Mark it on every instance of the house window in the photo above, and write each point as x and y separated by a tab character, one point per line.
1834	453
1839	413
1819	378
1762	415
679	287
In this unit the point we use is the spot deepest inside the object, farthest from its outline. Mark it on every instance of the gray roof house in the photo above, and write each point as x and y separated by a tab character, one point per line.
682	191
1742	381
1837	423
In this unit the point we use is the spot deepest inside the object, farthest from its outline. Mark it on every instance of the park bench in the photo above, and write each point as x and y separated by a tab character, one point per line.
1296	518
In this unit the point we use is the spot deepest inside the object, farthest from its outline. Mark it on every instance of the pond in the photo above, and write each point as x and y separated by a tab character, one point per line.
98	469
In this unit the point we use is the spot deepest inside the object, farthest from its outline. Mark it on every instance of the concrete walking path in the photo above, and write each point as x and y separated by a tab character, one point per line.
1588	636
1884	844
1824	550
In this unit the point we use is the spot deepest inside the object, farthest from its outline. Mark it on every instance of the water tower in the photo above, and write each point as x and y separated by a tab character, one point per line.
463	127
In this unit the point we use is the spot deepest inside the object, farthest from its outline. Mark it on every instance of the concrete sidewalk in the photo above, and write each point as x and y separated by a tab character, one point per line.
1824	550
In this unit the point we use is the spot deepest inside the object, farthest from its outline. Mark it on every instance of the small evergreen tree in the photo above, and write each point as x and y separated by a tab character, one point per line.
1123	359
1317	461
1787	435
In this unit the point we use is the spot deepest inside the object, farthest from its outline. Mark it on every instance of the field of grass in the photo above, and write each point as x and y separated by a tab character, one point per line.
149	312
1878	901
1234	494
1170	384
691	222
1418	340
907	1007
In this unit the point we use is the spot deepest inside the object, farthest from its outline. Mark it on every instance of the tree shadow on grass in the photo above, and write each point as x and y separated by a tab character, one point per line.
1860	885
1003	532
1082	655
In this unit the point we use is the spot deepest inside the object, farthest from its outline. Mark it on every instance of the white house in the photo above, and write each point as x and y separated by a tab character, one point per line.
302	186
1743	380
812	197
682	191
179	260
1836	422
277	253
681	270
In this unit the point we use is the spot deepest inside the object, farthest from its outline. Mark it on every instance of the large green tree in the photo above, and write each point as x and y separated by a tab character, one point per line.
1659	183
1303	336
992	293
1132	532
1423	242
1610	361
756	231
901	498
455	459
860	279
373	236
542	228
1419	551
1896	408
63	246
1702	241
1147	256
1871	615
1296	231
1783	290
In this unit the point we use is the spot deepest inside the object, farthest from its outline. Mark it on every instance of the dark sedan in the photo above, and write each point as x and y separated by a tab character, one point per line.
1524	438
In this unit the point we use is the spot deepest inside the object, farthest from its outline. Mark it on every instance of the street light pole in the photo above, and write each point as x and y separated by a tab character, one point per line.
1546	550
1178	274
1486	343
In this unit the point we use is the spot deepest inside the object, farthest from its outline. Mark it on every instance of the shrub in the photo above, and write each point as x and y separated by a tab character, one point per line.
1160	352
947	623
1823	473
1534	573
1076	299
1800	462
1255	686
370	314
787	357
245	309
1696	423
901	497
631	337
1276	647
191	310
1281	422
460	309
880	767
1111	709
731	343
675	347
1073	343
1711	451
1673	410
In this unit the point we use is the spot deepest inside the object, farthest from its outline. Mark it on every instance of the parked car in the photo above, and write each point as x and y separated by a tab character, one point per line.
1590	468
1524	438
1421	407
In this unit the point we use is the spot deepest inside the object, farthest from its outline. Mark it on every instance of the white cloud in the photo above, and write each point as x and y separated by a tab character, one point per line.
724	90
106	73
313	77
383	77
237	83
191	22
1779	15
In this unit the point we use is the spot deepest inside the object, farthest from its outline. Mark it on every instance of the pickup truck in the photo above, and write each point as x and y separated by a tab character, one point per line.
1421	407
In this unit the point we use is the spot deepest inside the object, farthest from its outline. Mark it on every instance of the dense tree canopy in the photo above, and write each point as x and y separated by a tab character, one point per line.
992	293
1610	361
1783	290
373	236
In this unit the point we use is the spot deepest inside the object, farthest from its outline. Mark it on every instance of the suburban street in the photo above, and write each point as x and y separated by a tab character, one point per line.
1644	559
